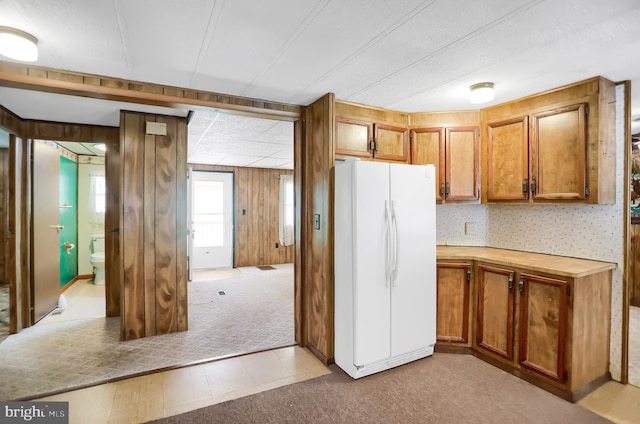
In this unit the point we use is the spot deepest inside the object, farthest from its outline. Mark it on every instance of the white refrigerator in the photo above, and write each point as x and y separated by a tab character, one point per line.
385	265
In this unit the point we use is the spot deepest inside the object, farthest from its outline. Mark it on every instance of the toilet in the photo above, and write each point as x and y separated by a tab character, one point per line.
97	258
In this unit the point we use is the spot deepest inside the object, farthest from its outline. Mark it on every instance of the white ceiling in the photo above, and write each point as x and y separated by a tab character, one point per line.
408	55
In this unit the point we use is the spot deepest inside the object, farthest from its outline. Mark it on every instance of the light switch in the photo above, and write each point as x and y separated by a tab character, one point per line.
316	221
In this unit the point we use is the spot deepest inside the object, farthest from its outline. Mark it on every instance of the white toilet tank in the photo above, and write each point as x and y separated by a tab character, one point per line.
97	243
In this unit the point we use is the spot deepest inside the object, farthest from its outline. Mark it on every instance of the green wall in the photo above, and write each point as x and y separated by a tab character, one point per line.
68	218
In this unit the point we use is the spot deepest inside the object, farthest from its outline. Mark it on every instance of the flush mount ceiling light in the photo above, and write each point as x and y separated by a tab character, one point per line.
18	45
102	147
481	92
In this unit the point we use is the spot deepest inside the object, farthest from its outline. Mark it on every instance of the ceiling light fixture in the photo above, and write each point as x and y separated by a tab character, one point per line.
481	92
18	45
102	147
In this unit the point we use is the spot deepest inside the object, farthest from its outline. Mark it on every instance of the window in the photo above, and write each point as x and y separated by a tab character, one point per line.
286	210
100	194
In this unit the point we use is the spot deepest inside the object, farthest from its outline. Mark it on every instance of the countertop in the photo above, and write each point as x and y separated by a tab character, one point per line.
552	264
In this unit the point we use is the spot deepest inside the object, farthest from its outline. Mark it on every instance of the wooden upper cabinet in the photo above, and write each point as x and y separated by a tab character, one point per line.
461	153
452	320
454	151
353	138
390	142
427	147
450	141
371	133
508	159
558	146
543	325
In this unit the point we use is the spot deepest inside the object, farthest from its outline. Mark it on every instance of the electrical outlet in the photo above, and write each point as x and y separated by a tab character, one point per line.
469	228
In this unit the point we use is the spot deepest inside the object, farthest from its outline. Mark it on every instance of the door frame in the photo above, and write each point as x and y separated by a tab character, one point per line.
191	172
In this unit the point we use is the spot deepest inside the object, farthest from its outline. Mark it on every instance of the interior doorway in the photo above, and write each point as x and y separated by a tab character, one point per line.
211	240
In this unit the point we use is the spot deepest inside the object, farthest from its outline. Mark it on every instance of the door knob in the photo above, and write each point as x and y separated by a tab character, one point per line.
57	227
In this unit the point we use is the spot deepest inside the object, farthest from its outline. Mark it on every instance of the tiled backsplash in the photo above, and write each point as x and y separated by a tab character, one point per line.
583	231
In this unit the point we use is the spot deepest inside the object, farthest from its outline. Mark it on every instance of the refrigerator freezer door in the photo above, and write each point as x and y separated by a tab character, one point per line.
413	296
371	294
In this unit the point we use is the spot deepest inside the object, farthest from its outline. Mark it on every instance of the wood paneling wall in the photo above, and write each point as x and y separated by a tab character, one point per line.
634	259
112	229
4	183
317	244
18	243
153	226
256	191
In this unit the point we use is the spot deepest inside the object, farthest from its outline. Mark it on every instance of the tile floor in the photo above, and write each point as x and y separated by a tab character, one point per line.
168	393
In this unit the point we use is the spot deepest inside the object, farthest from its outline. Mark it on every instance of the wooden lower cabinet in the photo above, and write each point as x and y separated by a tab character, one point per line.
494	322
541	316
453	288
550	330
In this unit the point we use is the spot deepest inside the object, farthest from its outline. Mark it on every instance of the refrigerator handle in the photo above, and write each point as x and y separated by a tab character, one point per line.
387	268
394	231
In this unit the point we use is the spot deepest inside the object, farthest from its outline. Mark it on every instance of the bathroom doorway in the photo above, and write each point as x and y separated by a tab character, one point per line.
81	202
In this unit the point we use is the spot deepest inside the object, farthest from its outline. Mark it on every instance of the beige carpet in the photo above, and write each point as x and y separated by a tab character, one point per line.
445	388
255	313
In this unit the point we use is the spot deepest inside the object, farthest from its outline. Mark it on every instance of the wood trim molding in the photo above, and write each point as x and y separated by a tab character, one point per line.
626	261
106	88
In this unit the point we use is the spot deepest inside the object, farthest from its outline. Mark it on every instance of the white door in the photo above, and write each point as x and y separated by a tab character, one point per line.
371	314
211	220
413	294
46	228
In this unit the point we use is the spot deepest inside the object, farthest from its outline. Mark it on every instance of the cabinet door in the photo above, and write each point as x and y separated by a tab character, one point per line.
543	325
461	154
508	160
453	302
353	137
391	142
494	331
427	147
558	152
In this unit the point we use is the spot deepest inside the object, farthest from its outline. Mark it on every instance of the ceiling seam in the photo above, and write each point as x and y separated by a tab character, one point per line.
206	130
361	50
124	38
442	49
214	15
311	16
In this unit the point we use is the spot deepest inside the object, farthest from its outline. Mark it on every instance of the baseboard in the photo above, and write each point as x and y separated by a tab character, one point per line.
75	280
450	348
319	355
576	395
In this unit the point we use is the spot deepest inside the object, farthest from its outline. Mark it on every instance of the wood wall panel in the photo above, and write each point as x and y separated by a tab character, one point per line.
112	228
153	227
256	191
4	179
132	247
317	244
181	226
165	230
634	259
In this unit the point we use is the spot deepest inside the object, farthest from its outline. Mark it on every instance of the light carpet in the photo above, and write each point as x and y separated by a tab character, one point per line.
256	313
